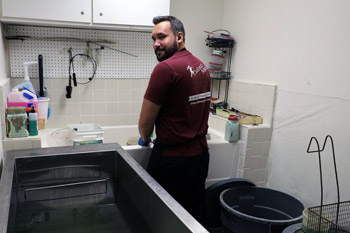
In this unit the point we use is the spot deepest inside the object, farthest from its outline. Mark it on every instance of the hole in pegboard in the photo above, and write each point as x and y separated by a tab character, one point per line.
111	64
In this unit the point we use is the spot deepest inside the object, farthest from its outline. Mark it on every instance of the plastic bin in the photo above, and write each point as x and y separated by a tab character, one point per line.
255	209
83	134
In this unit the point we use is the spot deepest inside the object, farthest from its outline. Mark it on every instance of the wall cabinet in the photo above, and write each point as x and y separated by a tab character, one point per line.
92	13
131	12
62	10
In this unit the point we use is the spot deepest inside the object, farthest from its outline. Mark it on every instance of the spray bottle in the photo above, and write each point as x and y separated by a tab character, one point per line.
26	83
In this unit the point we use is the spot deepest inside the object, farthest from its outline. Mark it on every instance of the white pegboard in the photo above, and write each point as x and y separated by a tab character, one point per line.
111	64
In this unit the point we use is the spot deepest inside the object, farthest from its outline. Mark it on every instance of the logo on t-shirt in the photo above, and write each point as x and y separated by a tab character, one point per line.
195	71
199	98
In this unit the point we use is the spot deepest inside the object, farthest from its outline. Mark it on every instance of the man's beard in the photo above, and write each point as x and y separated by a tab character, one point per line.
170	51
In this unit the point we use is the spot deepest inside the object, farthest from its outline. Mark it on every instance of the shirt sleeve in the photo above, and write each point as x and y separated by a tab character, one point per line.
159	84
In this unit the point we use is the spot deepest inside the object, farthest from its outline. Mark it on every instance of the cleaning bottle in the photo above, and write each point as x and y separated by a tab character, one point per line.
232	129
26	83
18	98
33	122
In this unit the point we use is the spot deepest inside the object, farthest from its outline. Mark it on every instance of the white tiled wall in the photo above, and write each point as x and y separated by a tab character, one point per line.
254	140
252	98
106	102
254	147
257	99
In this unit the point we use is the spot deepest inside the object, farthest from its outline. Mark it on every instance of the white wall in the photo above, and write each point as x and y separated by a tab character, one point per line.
303	46
198	16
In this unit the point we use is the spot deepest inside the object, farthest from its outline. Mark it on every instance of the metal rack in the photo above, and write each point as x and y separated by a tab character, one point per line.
330	218
225	43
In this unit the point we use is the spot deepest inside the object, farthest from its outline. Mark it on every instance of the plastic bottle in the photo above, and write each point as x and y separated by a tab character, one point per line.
26	82
18	98
33	122
232	129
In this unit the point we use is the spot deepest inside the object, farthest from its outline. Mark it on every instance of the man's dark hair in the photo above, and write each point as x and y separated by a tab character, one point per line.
176	24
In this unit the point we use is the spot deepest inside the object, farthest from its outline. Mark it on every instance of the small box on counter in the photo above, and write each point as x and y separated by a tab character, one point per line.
243	118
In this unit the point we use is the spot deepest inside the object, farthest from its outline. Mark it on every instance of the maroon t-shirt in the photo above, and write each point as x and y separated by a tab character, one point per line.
181	85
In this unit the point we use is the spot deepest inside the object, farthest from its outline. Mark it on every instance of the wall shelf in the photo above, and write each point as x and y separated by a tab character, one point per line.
225	43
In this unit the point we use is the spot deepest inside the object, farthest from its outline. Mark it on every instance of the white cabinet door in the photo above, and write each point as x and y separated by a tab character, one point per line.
129	12
58	10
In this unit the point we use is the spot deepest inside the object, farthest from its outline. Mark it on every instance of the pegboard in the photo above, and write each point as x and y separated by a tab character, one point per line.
111	63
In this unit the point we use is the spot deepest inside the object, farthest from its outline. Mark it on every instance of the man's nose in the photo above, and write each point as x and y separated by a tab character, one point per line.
156	44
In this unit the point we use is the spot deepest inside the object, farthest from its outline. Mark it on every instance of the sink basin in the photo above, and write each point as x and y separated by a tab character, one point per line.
90	188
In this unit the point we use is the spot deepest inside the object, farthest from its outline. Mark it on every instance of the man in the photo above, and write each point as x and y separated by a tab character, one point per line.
177	102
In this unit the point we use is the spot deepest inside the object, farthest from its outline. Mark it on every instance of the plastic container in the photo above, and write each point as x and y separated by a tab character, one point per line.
216	60
254	209
26	82
83	134
18	98
16	122
33	122
43	107
232	129
317	227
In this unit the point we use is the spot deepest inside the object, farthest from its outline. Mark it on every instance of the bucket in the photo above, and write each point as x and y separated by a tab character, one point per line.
256	209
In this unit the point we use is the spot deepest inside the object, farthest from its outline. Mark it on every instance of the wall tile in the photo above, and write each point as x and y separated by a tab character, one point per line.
73	120
259	135
100	120
266	148
87	119
112	120
100	96
86	109
60	121
136	95
86	94
99	108
123	119
134	119
73	109
135	107
112	95
258	148
244	133
124	108
36	143
111	84
99	84
112	108
22	143
124	95
124	84
242	148
8	145
136	84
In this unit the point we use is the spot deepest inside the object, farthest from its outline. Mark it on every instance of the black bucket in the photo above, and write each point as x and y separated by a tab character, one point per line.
258	210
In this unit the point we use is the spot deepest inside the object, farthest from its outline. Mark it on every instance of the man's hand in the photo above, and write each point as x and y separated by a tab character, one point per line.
142	143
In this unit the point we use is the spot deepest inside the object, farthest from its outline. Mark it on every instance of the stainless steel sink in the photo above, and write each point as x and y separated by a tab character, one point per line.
91	188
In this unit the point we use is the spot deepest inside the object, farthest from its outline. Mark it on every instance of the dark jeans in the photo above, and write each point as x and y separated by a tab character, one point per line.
182	177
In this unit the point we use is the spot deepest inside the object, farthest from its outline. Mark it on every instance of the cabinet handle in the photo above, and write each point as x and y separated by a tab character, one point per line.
101	14
82	12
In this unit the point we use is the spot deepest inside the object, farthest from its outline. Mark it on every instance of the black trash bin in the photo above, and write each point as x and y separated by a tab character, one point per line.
258	210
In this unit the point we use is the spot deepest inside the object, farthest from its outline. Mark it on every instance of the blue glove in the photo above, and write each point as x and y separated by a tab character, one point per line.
142	143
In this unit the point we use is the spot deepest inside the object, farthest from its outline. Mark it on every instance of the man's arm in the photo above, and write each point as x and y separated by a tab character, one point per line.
148	116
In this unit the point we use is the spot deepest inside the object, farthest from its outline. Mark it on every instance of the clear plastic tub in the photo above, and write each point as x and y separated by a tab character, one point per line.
83	134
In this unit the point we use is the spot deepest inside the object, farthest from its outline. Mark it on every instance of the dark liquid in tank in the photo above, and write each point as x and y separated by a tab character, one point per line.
96	219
